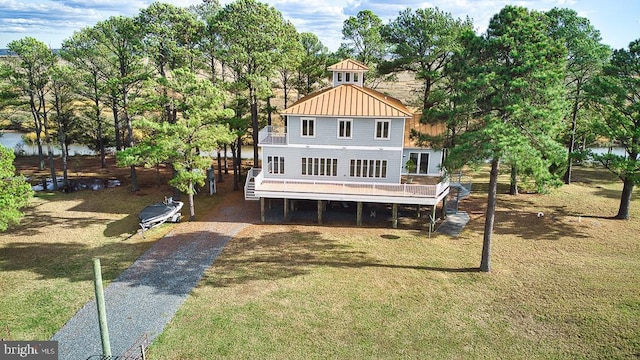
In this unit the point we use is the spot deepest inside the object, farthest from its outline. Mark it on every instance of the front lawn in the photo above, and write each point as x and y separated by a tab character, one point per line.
564	285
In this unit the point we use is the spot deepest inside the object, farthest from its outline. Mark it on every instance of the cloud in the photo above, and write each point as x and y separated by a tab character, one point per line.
52	21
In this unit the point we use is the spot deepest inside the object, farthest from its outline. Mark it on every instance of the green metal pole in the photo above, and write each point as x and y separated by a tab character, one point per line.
102	311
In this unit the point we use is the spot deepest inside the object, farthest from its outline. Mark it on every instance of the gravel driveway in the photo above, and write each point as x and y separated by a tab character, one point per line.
145	297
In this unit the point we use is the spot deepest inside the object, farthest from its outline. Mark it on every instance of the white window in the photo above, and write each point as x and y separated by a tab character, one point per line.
308	128
319	167
339	77
347	77
355	77
275	164
421	161
344	128
368	168
382	129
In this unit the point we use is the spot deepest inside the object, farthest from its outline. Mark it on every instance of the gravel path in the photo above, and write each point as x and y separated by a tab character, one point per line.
144	298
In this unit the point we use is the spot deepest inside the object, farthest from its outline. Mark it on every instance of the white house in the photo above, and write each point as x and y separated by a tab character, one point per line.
346	143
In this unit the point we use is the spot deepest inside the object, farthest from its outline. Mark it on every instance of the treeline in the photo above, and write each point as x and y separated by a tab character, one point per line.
172	82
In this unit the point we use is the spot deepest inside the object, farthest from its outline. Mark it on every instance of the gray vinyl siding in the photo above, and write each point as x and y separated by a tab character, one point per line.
293	163
435	158
363	132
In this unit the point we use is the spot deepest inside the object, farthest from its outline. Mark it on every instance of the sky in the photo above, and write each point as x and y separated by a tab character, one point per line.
52	21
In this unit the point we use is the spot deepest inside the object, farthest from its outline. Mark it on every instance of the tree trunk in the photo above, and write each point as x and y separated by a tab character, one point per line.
226	161
269	111
254	121
237	164
65	160
103	153
572	138
35	113
116	124
220	178
286	95
427	92
98	115
625	199
485	263
41	165
64	152
192	209
233	164
212	68
513	186
127	118
47	139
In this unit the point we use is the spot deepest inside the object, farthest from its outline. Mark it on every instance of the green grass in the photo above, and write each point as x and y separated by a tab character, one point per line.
46	261
563	286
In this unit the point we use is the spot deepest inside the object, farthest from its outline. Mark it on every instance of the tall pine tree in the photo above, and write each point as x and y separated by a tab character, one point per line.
516	70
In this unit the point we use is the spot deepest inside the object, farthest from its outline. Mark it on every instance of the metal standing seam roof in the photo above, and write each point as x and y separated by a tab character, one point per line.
348	65
349	100
424	128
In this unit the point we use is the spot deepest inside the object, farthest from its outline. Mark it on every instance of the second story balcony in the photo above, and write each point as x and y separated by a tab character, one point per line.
273	135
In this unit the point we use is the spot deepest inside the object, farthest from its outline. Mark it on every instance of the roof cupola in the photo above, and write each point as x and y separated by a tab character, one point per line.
348	72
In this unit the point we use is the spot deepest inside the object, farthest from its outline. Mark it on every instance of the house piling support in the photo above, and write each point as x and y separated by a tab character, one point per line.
444	208
286	209
320	211
359	213
263	217
418	210
394	216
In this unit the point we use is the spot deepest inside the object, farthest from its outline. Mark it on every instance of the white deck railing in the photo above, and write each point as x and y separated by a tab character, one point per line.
350	188
273	135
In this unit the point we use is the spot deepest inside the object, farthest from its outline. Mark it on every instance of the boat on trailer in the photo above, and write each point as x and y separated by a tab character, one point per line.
159	213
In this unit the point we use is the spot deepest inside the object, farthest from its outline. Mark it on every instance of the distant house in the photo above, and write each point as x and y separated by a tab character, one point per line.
347	143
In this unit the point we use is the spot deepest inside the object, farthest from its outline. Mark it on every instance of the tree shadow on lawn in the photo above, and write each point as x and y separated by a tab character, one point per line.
176	263
37	224
94	208
289	254
171	265
516	219
609	193
73	261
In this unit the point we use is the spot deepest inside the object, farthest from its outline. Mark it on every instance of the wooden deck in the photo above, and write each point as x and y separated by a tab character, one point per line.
351	191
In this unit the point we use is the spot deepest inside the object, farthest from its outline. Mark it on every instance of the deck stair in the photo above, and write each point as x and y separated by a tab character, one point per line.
250	185
458	190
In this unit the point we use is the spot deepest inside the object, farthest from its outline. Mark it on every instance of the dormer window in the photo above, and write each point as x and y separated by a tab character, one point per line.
339	77
347	77
355	77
